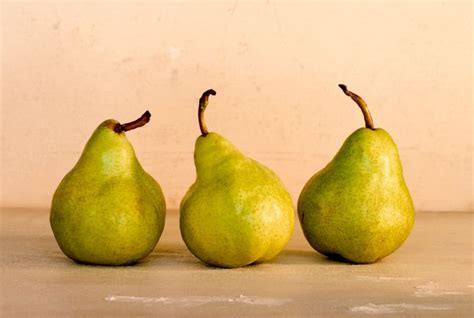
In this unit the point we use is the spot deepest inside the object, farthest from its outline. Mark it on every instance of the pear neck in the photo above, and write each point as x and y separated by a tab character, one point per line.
369	152
212	152
108	153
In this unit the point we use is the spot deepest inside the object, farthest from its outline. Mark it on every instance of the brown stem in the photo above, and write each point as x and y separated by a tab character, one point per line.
369	123
203	101
145	118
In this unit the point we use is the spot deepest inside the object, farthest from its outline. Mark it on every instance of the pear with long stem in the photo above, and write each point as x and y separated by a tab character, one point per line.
358	207
238	211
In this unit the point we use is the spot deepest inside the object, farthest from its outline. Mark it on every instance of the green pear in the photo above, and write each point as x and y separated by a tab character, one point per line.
237	212
107	210
358	207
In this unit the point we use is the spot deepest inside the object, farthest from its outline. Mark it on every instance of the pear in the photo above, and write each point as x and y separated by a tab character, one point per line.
238	211
107	210
358	208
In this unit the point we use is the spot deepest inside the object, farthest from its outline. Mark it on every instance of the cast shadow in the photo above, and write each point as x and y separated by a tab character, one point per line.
309	257
42	252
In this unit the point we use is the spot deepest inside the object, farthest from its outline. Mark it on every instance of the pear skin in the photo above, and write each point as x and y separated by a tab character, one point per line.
358	207
238	211
107	210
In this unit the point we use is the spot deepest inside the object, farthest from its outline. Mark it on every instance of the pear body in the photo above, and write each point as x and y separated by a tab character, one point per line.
237	212
107	210
358	207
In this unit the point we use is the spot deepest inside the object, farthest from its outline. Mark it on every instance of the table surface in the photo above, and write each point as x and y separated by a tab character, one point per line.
430	275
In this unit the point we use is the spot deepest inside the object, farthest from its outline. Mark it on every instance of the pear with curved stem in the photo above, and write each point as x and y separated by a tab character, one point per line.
358	208
107	210
238	211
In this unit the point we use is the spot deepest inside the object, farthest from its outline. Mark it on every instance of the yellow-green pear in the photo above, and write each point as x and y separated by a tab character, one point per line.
107	210
238	211
358	207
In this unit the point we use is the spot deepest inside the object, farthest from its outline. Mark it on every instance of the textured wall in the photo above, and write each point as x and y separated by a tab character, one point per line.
275	66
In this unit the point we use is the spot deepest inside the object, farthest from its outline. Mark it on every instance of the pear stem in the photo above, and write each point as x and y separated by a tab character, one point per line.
142	121
369	123
203	102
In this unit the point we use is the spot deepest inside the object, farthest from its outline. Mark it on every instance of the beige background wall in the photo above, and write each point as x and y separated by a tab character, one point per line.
275	66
